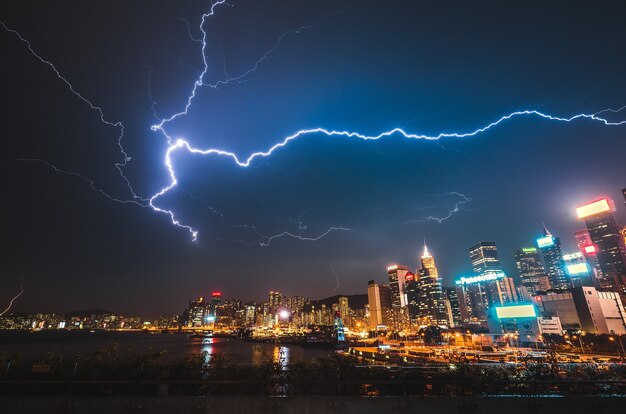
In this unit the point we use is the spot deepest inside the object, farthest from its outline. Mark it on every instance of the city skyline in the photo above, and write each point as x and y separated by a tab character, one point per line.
325	213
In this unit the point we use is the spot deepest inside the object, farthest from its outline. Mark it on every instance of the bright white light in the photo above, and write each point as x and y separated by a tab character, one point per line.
284	314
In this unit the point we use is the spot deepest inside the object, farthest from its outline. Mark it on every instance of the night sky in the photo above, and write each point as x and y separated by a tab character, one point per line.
426	67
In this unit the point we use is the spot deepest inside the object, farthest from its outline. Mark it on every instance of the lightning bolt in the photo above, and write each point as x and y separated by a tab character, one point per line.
181	144
456	209
115	124
266	240
13	299
89	181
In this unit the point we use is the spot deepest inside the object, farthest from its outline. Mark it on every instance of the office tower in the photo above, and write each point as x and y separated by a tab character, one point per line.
396	274
477	293
624	194
578	270
452	303
198	312
484	257
216	301
275	301
431	301
344	309
379	300
412	297
531	271
550	247
585	308
587	248
606	237
428	262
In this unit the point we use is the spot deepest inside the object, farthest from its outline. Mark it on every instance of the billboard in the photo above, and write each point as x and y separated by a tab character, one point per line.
577	269
591	249
545	241
464	280
516	311
595	207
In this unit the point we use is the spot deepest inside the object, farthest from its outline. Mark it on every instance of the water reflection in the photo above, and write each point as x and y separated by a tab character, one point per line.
207	349
281	356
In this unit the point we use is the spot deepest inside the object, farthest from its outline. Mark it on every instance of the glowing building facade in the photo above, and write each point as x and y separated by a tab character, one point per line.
550	247
531	271
606	237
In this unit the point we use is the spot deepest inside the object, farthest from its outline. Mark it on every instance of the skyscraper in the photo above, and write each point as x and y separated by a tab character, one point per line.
379	299
550	247
396	274
587	248
452	299
578	270
484	257
531	271
605	235
344	310
431	301
477	293
412	297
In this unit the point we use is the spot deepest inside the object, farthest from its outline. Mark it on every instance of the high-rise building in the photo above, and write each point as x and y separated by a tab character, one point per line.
530	269
431	300
428	262
477	293
453	307
379	300
588	249
578	270
396	274
484	257
275	301
606	237
550	247
412	297
344	310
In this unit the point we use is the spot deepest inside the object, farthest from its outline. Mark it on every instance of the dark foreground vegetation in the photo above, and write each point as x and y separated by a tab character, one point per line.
112	372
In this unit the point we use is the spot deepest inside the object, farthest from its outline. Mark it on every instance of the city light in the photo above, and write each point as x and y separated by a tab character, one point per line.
529	250
283	314
577	268
465	280
595	207
516	311
545	241
590	249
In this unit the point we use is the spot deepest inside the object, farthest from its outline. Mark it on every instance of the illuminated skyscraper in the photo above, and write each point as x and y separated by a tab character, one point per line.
275	300
588	249
532	274
379	299
344	310
578	269
396	274
484	257
550	247
452	299
431	300
477	293
606	237
428	262
412	297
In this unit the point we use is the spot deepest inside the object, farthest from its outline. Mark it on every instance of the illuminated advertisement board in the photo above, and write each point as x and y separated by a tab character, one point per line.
529	250
464	280
577	269
516	311
545	241
595	207
590	249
